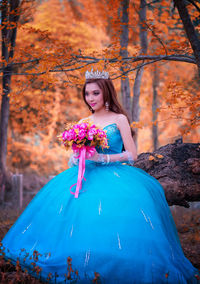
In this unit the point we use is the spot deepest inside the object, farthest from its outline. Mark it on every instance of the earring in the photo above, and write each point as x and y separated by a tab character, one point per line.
107	106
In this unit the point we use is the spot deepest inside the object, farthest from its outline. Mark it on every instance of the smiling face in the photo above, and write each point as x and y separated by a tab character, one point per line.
94	96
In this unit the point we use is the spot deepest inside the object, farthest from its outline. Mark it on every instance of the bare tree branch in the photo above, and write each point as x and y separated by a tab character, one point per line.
194	4
150	3
92	60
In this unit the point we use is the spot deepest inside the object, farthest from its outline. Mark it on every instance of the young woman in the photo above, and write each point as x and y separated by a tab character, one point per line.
119	229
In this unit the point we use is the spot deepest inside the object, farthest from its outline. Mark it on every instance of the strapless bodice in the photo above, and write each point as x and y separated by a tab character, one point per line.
115	142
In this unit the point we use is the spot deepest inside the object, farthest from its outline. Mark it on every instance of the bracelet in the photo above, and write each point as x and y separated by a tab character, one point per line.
107	159
130	159
121	154
101	159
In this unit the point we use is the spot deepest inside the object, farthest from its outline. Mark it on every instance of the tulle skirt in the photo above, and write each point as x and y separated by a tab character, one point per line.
119	230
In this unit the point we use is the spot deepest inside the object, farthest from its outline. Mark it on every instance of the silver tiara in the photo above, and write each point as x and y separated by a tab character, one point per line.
96	75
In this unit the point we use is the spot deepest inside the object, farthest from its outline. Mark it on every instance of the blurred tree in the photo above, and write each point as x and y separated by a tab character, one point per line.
189	28
138	78
155	106
124	40
10	12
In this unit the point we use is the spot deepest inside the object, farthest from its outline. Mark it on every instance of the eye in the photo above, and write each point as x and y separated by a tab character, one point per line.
86	94
96	93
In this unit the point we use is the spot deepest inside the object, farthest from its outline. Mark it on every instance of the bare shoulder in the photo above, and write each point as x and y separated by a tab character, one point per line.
121	119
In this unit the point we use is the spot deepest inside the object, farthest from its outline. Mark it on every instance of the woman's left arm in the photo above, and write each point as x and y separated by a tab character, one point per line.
127	138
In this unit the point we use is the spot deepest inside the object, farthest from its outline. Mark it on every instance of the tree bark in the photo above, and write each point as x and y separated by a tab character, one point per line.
135	109
189	29
178	171
125	87
154	107
10	14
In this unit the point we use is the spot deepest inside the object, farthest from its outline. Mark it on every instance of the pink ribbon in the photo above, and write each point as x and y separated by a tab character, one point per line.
84	152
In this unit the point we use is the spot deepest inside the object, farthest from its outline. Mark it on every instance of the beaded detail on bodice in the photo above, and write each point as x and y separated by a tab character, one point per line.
115	142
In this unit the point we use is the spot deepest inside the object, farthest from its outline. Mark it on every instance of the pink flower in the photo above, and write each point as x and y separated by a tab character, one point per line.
81	134
83	125
69	135
91	132
93	126
101	133
64	135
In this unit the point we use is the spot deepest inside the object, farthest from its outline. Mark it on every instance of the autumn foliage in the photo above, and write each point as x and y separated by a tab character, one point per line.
57	41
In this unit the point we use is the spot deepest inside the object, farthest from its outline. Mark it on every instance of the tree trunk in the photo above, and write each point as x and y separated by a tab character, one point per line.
177	167
189	29
154	107
10	14
135	109
125	87
4	123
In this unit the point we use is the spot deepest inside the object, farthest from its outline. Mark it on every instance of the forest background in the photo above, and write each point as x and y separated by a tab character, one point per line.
152	52
48	45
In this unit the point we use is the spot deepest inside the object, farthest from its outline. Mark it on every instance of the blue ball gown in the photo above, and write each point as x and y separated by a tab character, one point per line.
120	226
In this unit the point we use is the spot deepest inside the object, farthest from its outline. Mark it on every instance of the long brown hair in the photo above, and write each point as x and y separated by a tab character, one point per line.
109	95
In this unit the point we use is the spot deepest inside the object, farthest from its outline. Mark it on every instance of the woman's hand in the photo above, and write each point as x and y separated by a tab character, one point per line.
105	159
94	157
73	160
100	158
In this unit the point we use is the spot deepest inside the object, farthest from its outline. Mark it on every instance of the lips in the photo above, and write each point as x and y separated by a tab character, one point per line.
92	105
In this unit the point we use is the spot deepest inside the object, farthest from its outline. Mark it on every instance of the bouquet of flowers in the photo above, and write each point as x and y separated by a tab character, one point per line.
83	137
